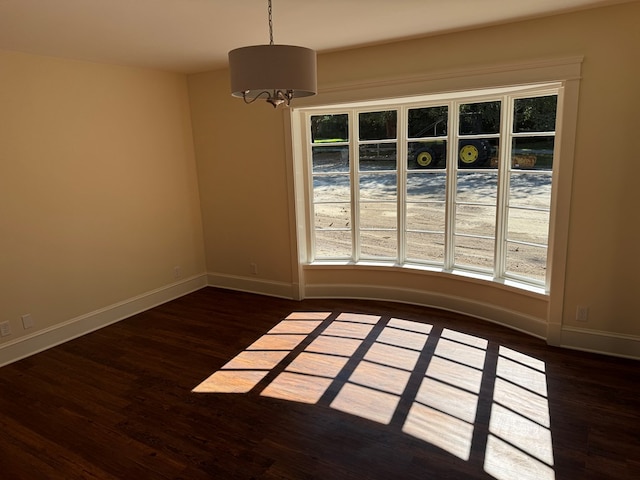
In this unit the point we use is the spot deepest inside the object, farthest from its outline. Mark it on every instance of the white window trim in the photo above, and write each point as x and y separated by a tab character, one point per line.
566	71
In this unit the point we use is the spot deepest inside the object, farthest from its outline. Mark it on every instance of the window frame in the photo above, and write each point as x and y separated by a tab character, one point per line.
311	280
507	97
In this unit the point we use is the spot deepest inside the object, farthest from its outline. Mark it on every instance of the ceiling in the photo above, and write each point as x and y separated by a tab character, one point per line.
195	35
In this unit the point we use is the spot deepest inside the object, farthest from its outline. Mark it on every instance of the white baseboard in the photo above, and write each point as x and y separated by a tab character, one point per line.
619	345
50	337
627	346
484	311
573	338
253	285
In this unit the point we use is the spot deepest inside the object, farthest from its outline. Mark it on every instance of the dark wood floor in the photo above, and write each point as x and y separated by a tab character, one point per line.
118	404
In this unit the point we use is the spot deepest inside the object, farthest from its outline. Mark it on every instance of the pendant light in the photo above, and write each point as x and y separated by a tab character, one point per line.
277	73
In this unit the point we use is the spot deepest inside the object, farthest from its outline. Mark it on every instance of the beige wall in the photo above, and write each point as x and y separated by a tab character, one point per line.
98	191
241	156
243	181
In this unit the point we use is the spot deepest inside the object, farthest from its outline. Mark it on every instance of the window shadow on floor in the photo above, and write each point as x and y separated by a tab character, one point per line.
477	400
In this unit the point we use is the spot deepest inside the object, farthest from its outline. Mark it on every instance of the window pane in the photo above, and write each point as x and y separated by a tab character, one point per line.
425	247
330	159
327	188
472	219
426	186
426	216
377	156
378	215
330	128
530	190
378	186
477	187
332	215
536	114
378	125
527	261
528	226
474	252
428	122
532	153
333	244
382	244
427	155
479	118
478	153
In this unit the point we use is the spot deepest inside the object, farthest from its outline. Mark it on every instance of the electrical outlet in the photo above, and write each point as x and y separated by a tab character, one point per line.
177	272
582	313
5	329
254	268
27	321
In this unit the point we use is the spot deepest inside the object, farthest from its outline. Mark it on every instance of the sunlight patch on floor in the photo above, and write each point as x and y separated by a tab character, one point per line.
504	462
368	403
365	365
444	410
440	429
297	388
519	444
231	381
242	373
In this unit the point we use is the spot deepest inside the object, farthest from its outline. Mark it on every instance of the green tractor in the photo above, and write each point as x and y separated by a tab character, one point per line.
472	153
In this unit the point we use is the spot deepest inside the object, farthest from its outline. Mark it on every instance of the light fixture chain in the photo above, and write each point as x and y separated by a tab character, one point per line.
270	24
292	73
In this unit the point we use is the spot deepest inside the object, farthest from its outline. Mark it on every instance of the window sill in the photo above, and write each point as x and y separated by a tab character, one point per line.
464	275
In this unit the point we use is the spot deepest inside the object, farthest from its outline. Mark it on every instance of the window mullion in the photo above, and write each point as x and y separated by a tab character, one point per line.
308	175
402	136
451	187
354	152
504	171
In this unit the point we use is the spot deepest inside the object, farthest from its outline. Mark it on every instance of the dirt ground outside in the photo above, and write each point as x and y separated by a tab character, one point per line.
476	198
